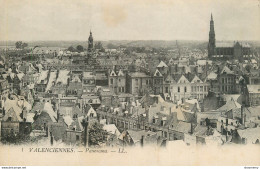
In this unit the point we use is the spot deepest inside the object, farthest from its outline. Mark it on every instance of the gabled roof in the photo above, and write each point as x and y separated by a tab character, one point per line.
226	70
162	64
212	76
48	108
230	105
112	129
170	79
120	73
15	115
182	78
253	88
157	73
196	79
68	120
113	73
76	79
20	76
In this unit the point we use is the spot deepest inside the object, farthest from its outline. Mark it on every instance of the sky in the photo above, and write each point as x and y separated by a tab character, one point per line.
33	20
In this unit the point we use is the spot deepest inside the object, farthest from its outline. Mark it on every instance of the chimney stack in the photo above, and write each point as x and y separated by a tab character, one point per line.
242	115
142	141
191	128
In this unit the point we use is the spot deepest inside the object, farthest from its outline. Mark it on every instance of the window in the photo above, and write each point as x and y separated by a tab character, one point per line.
201	88
136	81
161	123
111	81
166	89
119	80
153	120
91	114
147	82
77	137
179	89
185	89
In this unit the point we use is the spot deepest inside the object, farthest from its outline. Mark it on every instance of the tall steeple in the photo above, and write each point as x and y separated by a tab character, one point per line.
212	40
90	42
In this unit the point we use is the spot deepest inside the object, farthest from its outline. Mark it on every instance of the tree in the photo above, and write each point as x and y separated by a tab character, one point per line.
111	46
24	45
80	48
96	133
99	46
18	44
71	49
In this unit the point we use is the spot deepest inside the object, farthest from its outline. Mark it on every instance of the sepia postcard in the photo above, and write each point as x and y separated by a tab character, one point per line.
130	83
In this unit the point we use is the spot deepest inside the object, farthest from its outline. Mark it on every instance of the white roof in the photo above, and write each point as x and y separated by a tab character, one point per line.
162	64
212	76
112	129
20	75
226	70
253	88
157	73
68	120
43	76
63	76
51	79
48	108
29	117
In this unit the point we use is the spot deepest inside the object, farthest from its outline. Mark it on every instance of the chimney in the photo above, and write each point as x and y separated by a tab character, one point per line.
226	135
51	138
191	128
142	141
85	122
242	115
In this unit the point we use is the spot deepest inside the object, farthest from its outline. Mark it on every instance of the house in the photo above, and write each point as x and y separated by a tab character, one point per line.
227	81
14	119
70	109
44	116
138	138
17	82
4	88
137	83
105	96
247	136
75	131
88	81
90	112
253	92
117	81
181	89
158	79
42	81
113	135
163	68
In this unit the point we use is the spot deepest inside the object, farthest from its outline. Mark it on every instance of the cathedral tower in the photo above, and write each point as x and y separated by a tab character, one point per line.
90	42
212	40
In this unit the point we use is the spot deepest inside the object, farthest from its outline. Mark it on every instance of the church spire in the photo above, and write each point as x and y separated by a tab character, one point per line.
212	41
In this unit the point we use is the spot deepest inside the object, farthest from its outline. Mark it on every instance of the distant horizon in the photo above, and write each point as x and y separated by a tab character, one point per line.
133	20
1	41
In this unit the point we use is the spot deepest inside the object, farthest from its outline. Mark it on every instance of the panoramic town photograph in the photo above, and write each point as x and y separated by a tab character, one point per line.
129	74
